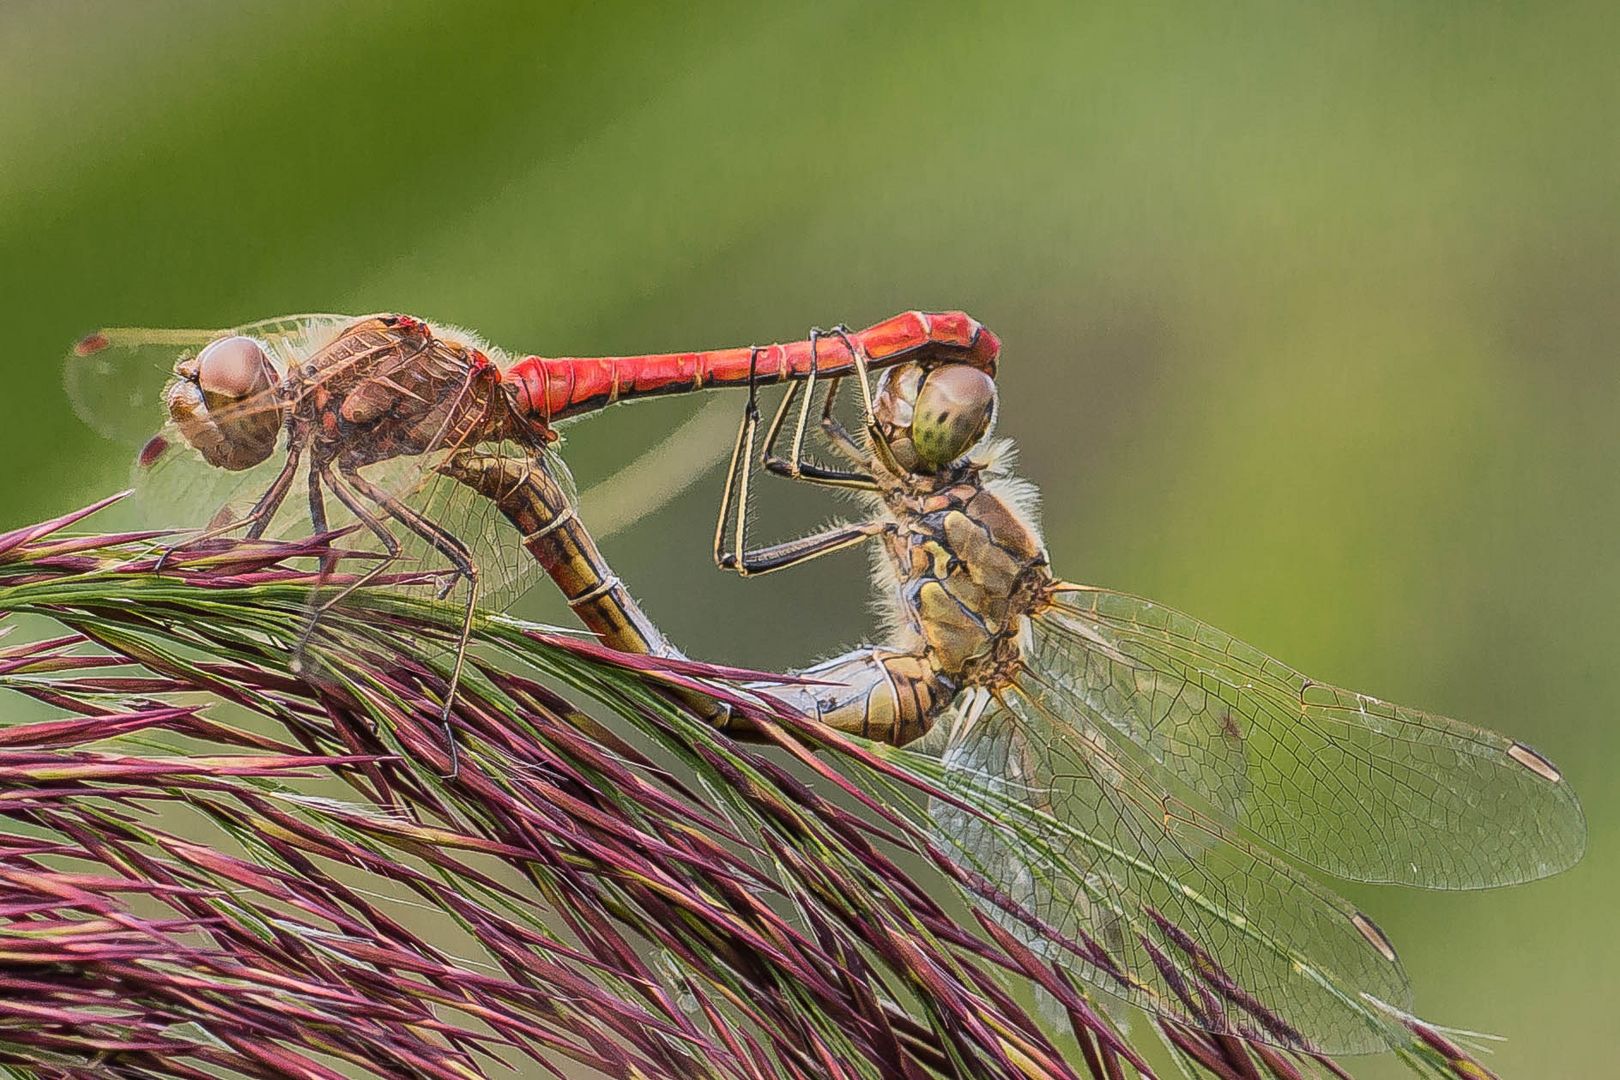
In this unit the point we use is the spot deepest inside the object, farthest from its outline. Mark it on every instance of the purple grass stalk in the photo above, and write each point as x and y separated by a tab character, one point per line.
700	910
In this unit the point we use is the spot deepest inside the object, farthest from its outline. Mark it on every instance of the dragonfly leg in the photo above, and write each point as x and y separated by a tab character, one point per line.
837	436
834	430
738	475
803	468
798	466
317	502
764	560
319	474
317	518
461	561
258	519
857	357
322	474
373	524
731	551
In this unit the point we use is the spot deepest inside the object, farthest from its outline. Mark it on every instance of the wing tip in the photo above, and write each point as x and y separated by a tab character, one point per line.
1535	762
1375	937
152	452
91	343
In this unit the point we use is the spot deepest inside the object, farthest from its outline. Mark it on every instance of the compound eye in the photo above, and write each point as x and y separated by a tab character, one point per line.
954	409
233	369
222	401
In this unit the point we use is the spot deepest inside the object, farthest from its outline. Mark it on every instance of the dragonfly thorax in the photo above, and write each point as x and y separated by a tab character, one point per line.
968	568
389	386
967	562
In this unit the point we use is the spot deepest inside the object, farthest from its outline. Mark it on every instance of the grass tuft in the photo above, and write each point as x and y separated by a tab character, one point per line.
213	865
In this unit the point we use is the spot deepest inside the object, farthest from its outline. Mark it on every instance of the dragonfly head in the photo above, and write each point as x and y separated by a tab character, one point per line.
928	418
224	402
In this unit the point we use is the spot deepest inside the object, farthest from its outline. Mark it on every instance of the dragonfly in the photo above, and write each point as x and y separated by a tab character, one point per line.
370	410
1140	785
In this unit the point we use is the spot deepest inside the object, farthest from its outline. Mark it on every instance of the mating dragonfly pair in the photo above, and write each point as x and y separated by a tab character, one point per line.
1145	775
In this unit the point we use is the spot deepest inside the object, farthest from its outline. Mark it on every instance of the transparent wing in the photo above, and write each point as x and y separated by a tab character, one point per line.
115	379
115	376
1355	786
1175	913
438	505
505	569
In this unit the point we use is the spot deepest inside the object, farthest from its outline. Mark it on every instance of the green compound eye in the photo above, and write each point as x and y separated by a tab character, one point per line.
953	412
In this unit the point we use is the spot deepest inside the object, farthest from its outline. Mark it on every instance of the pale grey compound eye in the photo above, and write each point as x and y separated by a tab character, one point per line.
953	411
234	368
225	404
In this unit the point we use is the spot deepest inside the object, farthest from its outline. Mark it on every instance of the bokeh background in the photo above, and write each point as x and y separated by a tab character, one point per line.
1310	310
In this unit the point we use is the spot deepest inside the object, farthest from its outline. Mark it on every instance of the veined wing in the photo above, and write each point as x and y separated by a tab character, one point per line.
116	380
505	568
1355	786
115	376
1179	915
421	491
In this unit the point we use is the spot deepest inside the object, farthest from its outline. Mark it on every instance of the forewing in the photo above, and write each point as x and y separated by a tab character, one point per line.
1342	781
1179	915
116	378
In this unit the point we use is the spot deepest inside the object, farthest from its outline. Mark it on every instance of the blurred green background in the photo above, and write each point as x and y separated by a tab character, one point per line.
1309	309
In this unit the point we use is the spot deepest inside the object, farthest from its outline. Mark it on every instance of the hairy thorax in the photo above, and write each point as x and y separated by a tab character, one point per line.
390	386
968	569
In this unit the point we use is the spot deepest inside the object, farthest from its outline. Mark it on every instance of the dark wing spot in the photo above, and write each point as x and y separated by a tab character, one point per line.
1230	727
152	452
90	343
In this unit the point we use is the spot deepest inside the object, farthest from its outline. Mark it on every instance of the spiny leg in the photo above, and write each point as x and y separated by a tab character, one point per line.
880	445
461	560
862	375
809	396
265	509
739	479
317	502
737	555
737	475
772	557
317	518
356	504
319	474
800	467
837	436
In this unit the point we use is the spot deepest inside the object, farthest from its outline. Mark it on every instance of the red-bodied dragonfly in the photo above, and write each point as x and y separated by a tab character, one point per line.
1139	775
369	409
